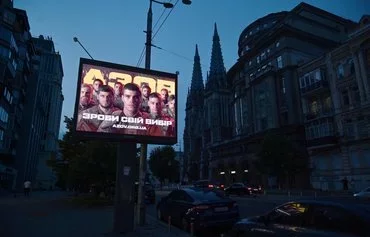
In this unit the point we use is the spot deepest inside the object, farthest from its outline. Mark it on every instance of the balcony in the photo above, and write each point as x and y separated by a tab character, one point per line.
315	87
262	72
322	141
320	114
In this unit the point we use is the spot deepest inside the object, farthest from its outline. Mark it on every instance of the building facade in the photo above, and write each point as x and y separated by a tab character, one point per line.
30	101
261	92
16	51
336	103
50	76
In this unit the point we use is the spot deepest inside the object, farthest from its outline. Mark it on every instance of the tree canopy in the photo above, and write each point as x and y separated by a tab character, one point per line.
84	162
163	165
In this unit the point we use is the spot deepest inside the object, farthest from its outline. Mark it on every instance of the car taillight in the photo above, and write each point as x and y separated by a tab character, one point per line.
210	186
222	186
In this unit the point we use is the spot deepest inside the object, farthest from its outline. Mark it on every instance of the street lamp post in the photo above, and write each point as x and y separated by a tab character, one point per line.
144	147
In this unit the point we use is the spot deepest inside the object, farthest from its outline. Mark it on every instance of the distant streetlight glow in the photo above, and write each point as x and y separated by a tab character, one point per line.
233	172
246	171
222	172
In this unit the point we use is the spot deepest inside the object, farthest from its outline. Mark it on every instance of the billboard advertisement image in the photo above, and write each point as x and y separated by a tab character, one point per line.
124	103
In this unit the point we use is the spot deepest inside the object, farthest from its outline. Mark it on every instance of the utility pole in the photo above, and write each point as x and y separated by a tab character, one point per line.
144	147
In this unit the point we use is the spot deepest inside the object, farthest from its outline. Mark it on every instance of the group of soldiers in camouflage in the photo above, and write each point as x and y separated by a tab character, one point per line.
128	101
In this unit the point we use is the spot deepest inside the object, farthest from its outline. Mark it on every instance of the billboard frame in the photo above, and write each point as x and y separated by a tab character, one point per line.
158	140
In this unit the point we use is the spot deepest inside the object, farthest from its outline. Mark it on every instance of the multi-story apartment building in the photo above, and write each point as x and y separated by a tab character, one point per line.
265	90
50	75
335	90
16	51
30	102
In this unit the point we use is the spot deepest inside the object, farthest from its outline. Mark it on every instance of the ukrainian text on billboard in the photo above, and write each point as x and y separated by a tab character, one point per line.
113	100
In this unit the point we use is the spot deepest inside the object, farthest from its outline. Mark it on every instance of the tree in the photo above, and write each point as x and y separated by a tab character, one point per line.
84	163
279	157
163	165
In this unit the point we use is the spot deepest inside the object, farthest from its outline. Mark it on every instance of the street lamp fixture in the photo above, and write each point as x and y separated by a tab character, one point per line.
186	2
75	39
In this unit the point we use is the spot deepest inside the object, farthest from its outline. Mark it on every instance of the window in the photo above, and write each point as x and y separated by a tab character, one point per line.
5	52
317	75
279	62
9	17
3	115
340	71
283	85
345	98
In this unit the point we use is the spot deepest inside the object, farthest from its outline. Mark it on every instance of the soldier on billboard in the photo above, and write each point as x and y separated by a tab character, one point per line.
164	96
118	90
131	98
145	92
169	109
155	109
86	101
97	83
86	121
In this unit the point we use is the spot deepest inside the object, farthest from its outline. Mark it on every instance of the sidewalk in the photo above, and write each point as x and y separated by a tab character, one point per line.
44	215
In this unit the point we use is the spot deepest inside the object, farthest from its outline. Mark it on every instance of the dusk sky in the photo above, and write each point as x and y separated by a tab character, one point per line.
112	31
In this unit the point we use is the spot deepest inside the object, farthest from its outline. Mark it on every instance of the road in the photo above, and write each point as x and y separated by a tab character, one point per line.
44	215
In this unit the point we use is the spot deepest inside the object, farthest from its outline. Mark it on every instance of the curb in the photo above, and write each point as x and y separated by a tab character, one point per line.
174	231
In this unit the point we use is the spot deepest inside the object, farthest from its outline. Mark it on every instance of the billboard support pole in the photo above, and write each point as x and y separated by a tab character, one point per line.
124	202
144	147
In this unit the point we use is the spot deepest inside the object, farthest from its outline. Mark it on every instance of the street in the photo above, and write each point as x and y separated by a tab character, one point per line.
44	214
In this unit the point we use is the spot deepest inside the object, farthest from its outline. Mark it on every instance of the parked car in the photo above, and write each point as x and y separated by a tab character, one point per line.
239	189
364	194
149	193
205	208
307	218
256	189
209	184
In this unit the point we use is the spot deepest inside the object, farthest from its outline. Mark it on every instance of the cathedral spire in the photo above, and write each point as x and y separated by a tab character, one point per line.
197	78
217	73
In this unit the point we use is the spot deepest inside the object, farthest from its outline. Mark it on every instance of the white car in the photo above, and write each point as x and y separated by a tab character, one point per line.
364	194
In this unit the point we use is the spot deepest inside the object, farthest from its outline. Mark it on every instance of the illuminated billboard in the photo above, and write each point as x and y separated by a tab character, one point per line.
123	103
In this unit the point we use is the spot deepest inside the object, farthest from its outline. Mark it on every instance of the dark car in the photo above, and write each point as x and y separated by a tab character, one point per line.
149	192
307	218
209	184
256	189
204	208
239	189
